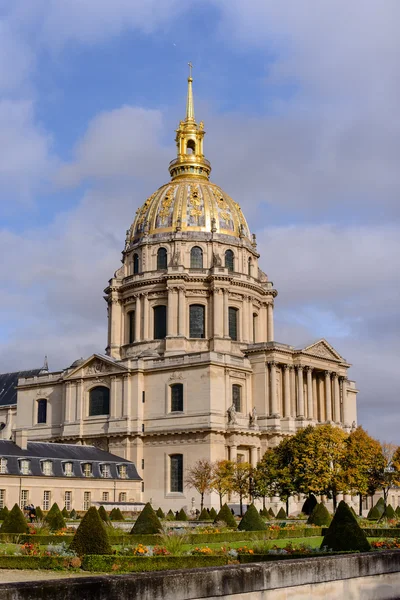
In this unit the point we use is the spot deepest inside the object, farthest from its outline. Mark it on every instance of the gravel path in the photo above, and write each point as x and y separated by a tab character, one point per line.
14	575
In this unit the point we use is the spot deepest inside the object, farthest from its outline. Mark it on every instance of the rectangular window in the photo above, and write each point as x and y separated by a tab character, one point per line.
196	321
122	471
122	497
177	397
233	322
160	322
24	466
176	467
86	500
46	499
237	397
131	324
3	466
143	397
142	463
24	498
87	470
68	500
142	486
47	467
68	470
105	496
105	471
2	498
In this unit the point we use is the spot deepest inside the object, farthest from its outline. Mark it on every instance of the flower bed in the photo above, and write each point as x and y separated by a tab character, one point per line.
112	564
38	562
388	544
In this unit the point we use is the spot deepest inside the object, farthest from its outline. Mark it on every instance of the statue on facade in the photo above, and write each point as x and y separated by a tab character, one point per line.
253	418
217	262
232	415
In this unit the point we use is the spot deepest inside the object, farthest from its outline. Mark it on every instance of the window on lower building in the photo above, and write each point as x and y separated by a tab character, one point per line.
3	466
237	397
87	469
122	472
197	321
105	470
177	397
176	470
42	410
24	498
122	497
233	322
68	500
162	258
87	500
46	499
105	496
160	322
25	466
99	401
131	325
47	467
68	469
2	498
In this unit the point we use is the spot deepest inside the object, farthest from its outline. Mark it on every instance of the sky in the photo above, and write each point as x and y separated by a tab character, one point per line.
301	106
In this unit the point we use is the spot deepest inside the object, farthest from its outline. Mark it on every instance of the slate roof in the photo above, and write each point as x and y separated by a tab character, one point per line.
8	384
61	453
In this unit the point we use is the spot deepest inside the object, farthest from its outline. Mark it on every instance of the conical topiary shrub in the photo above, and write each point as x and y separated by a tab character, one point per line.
374	514
281	513
181	516
54	518
309	505
389	512
3	513
397	511
116	515
103	514
170	515
91	536
265	514
65	513
160	513
39	514
226	516
271	513
251	520
73	514
320	516
344	532
380	505
213	513
14	522
147	522
205	515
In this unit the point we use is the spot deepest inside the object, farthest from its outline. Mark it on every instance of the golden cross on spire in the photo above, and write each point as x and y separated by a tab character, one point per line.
190	69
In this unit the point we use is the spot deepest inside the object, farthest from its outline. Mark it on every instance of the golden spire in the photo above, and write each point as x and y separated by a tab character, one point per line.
190	161
189	101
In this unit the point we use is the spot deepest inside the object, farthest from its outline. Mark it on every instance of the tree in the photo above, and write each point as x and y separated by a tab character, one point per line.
199	476
363	461
274	473
221	481
389	473
242	472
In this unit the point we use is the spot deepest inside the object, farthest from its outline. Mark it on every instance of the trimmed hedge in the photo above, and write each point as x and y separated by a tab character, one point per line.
389	512
204	516
230	536
35	562
213	513
91	535
251	520
103	514
281	514
160	513
344	533
309	505
226	516
14	522
147	522
181	516
319	516
113	564
21	538
374	514
116	515
54	518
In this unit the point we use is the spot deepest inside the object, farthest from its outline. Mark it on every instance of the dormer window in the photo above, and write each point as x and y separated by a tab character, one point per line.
68	469
122	472
87	469
105	471
47	467
25	466
3	466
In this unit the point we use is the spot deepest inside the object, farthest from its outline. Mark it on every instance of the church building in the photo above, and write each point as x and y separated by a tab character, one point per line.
192	369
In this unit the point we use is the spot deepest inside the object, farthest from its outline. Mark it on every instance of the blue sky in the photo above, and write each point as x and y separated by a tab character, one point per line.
300	102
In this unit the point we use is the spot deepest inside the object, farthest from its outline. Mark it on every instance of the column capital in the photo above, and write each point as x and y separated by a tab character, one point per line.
286	367
308	368
299	367
342	378
327	373
271	363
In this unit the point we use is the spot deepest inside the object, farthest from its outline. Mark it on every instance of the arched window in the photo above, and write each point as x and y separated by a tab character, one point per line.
160	322
177	397
196	321
196	258
191	147
237	397
233	322
229	260
135	264
42	410
99	401
176	472
131	327
161	259
249	267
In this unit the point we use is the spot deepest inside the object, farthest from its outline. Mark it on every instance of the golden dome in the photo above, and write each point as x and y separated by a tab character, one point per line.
190	202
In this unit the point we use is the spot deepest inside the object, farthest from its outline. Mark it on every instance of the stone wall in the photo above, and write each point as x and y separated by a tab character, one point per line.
358	576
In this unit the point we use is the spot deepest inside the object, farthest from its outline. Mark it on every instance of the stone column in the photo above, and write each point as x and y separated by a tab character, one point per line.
270	319
343	394
138	320
182	311
267	407
317	412
310	401
248	320
172	316
336	397
146	316
286	391
328	397
127	410
68	401
233	453
293	398
226	313
253	456
300	393
217	323
113	398
274	398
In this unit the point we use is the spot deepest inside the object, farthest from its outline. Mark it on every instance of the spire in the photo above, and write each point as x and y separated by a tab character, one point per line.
45	368
189	101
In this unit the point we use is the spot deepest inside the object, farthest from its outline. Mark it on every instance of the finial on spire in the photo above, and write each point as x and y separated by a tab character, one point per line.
189	103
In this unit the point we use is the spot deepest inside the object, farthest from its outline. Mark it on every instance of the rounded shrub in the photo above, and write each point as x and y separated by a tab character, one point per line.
271	513
91	536
116	515
103	514
309	504
39	514
213	513
251	520
181	516
14	522
320	516
374	514
205	515
226	516
344	533
160	513
3	513
147	522
281	513
54	518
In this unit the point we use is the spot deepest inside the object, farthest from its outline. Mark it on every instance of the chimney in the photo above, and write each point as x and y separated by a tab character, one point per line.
21	438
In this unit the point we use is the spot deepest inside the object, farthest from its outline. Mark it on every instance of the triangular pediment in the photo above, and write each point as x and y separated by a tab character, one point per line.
96	366
322	349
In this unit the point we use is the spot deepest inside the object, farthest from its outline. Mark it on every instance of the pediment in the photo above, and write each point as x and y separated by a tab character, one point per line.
96	366
323	350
